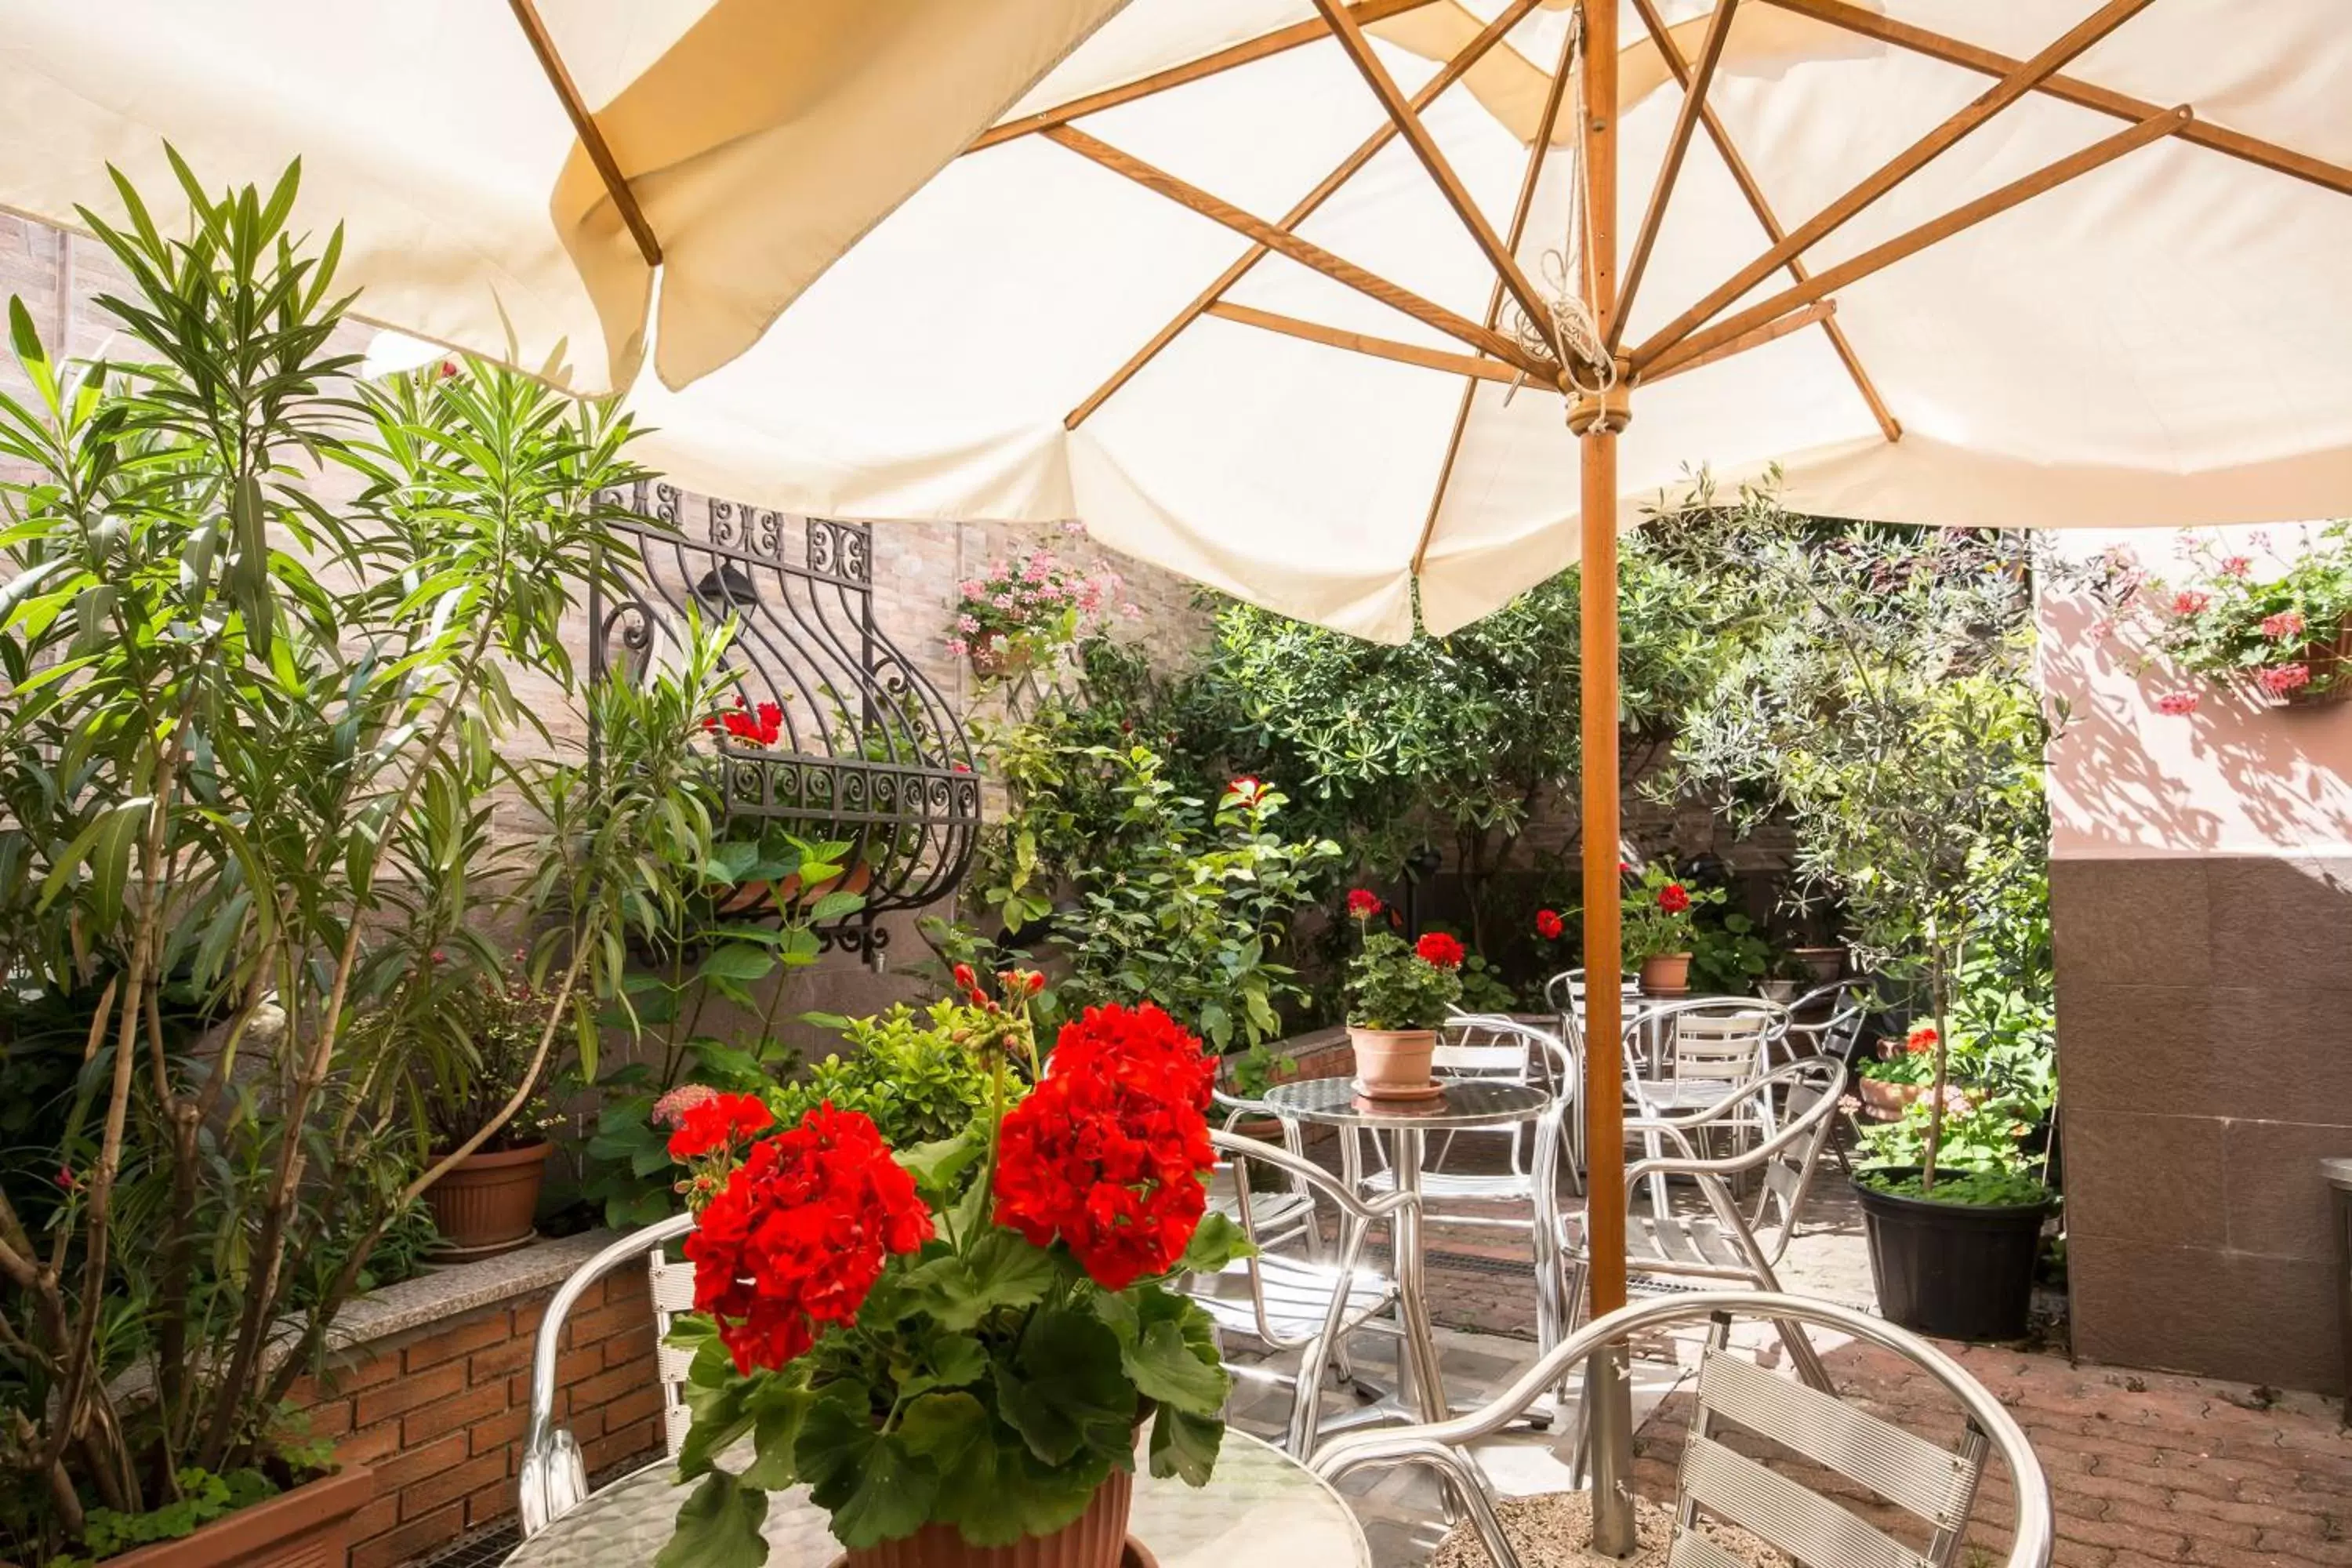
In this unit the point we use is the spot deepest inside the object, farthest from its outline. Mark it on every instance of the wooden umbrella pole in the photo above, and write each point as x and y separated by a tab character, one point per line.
1596	419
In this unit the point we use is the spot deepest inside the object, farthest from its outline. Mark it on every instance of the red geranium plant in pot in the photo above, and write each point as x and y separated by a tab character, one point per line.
1658	924
957	1348
1397	996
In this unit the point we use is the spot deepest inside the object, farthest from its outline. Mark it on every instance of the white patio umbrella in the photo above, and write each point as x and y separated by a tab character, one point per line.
1246	289
739	144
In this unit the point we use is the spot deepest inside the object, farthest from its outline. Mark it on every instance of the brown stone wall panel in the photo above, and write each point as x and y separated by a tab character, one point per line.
2287	1049
2281	921
2145	1178
2135	1048
2239	1316
2141	922
2277	1203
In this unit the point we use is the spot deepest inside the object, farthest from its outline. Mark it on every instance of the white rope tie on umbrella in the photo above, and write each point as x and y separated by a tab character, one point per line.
1573	325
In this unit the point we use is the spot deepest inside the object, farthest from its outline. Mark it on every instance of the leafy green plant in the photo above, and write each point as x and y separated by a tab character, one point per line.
1396	986
2230	621
1885	710
920	1077
247	731
701	955
1974	1189
1483	989
1729	956
985	1353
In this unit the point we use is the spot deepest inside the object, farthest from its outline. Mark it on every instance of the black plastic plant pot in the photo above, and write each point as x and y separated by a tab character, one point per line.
1959	1271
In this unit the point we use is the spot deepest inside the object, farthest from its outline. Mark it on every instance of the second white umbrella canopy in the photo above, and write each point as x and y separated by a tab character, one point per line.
2146	325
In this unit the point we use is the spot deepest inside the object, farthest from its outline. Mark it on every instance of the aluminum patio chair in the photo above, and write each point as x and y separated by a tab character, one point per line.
1564	992
1283	1212
553	1477
1842	1006
1291	1302
1936	1485
1727	1241
1705	1048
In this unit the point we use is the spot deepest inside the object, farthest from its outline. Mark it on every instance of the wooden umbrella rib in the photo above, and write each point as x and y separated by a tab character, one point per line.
1449	184
1366	11
1304	252
1745	178
1968	215
1529	178
1970	117
1304	208
1695	84
1364	342
592	136
2203	133
1674	361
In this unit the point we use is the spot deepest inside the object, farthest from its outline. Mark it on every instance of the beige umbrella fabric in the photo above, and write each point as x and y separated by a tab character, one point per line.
759	140
2155	333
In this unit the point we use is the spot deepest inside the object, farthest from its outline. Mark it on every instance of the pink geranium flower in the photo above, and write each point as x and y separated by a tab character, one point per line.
2281	678
2286	624
2190	602
2176	703
2237	565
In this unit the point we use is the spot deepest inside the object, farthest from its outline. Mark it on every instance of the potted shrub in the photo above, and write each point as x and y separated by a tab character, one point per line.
486	1202
2280	630
975	1379
1897	1074
1023	611
1398	993
1660	930
247	753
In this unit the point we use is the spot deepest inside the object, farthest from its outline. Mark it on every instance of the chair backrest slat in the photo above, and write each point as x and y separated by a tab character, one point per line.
1936	1483
673	1294
1809	1528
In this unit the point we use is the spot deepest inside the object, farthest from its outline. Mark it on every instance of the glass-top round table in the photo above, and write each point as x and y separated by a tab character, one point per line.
1261	1509
1403	1125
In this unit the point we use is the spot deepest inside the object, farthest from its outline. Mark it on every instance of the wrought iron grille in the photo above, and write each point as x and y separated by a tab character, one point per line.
867	750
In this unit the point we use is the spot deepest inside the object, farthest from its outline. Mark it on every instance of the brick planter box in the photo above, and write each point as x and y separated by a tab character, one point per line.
429	1385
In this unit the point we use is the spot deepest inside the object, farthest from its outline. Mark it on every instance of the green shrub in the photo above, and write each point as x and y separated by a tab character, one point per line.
917	1075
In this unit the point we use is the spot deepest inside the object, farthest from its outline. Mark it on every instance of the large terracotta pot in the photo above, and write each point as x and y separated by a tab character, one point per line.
1393	1062
308	1527
1666	973
485	1205
1826	963
1095	1539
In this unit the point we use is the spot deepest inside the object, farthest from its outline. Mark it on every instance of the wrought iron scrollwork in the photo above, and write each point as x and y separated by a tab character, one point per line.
867	750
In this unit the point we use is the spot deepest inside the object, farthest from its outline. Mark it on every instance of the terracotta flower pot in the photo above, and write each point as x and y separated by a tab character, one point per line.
485	1205
1826	963
308	1527
1095	1539
1393	1061
2327	656
993	657
1781	991
1666	973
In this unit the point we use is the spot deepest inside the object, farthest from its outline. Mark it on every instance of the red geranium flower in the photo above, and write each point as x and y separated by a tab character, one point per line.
1549	925
1244	786
1107	1152
711	1124
1439	949
1363	903
1673	898
1920	1040
800	1232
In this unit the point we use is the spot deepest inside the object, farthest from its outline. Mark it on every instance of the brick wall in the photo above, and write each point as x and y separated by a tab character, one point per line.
436	1409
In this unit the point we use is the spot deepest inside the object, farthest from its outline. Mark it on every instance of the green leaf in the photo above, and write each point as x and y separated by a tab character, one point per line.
936	1166
943	1429
779	1409
1168	1347
1185	1444
1062	1389
998	1270
737	961
1216	1242
719	1527
867	1480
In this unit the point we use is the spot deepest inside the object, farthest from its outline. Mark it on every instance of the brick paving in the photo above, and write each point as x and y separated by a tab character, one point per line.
2144	1467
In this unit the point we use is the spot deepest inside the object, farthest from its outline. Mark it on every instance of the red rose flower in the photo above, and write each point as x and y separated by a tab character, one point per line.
800	1232
1673	898
1363	903
1106	1153
711	1124
1549	925
1439	949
